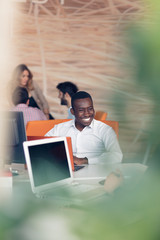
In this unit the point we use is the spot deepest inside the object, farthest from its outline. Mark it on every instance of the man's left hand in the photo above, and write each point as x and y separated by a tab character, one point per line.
80	161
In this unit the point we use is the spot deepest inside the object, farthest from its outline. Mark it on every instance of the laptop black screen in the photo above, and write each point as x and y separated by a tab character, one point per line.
49	162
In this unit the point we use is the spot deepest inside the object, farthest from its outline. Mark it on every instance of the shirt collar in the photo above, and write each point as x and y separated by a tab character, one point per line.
73	123
92	124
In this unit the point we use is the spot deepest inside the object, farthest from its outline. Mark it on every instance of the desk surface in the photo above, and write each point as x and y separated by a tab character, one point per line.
103	170
91	171
22	186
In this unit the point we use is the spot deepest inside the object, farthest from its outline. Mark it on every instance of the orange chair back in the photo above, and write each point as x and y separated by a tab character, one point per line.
40	128
100	115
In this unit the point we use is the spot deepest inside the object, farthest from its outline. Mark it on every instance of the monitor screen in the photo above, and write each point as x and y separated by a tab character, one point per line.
49	162
16	135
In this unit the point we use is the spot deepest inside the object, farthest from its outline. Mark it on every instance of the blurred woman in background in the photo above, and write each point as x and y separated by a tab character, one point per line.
22	77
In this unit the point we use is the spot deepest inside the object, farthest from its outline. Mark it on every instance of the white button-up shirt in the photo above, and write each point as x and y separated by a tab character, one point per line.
98	141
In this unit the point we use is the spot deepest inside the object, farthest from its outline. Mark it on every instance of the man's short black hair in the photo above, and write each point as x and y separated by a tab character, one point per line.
20	95
67	87
80	95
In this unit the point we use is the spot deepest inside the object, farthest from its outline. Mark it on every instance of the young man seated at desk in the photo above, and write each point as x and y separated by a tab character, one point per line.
93	142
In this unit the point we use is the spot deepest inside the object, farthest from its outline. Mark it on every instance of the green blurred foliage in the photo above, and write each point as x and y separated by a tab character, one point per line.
132	214
145	49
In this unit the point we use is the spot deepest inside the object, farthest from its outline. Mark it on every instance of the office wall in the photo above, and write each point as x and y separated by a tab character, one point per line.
84	42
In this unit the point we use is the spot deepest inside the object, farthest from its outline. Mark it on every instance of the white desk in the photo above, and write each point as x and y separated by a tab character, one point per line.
127	169
21	183
89	171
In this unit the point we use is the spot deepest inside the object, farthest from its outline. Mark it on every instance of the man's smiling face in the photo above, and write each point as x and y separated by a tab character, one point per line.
83	111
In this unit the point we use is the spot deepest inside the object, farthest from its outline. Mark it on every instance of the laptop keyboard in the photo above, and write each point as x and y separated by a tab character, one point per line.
87	192
82	187
77	167
73	188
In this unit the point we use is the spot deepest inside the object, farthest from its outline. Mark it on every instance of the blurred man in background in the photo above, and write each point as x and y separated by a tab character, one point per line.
66	91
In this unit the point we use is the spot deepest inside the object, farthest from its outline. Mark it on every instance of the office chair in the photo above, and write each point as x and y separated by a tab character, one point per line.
40	128
100	115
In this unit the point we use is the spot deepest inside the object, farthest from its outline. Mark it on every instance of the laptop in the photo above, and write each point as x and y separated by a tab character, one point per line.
50	171
74	166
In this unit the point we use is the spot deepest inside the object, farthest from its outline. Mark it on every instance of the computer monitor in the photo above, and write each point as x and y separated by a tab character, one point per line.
16	135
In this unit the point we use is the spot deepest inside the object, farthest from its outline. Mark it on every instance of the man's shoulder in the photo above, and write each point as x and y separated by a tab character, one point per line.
101	124
102	128
19	106
34	110
61	128
65	124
